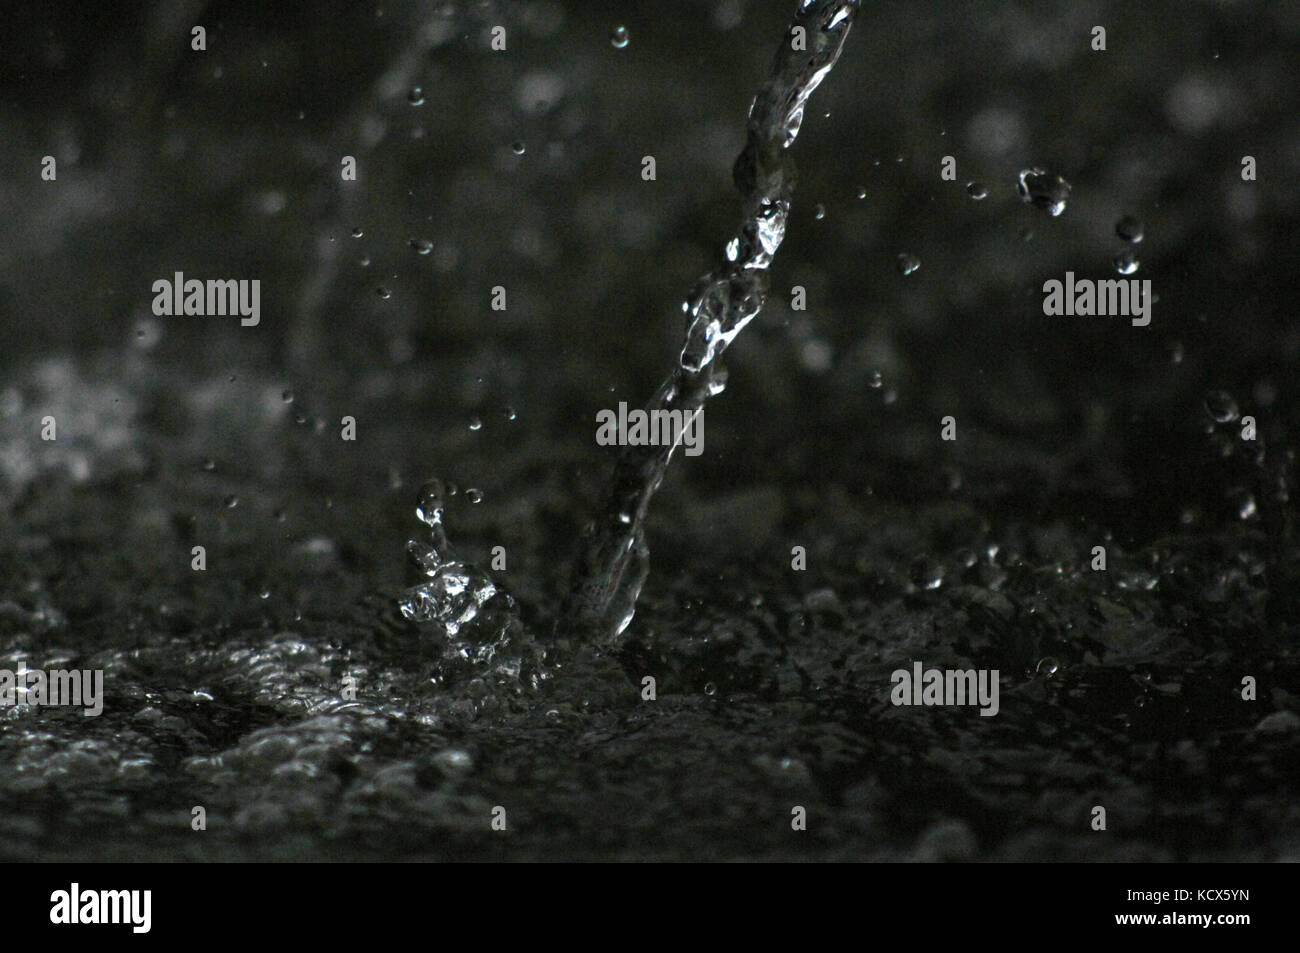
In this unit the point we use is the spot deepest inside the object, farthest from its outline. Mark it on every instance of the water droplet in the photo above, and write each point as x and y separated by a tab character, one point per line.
1048	666
422	245
416	96
265	594
428	507
908	264
1175	352
357	232
876	380
976	191
1125	262
619	37
926	574
819	211
710	688
231	502
209	465
518	148
287	396
473	495
383	292
475	424
1130	229
1220	406
1245	504
1043	190
862	192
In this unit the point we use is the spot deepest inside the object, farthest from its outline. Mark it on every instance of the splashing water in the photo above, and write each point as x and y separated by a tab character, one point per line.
614	561
1044	190
478	622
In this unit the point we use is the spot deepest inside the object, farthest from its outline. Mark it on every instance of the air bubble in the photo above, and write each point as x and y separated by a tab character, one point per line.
518	148
819	211
907	263
475	423
231	502
416	96
287	396
474	495
421	245
383	292
976	191
1048	666
618	37
357	232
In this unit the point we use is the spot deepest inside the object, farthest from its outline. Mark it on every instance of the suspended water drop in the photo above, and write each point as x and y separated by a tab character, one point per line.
209	465
518	148
1130	229
475	423
231	502
926	574
383	292
618	37
1043	190
976	191
876	380
510	413
287	396
416	96
710	688
1125	262
862	192
429	503
908	263
473	495
357	232
819	211
1175	352
1048	666
1220	406
421	245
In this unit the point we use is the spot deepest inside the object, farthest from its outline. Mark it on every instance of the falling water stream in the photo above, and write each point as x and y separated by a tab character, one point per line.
614	560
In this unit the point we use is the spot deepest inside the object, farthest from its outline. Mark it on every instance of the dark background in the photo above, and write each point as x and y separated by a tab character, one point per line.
1073	432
